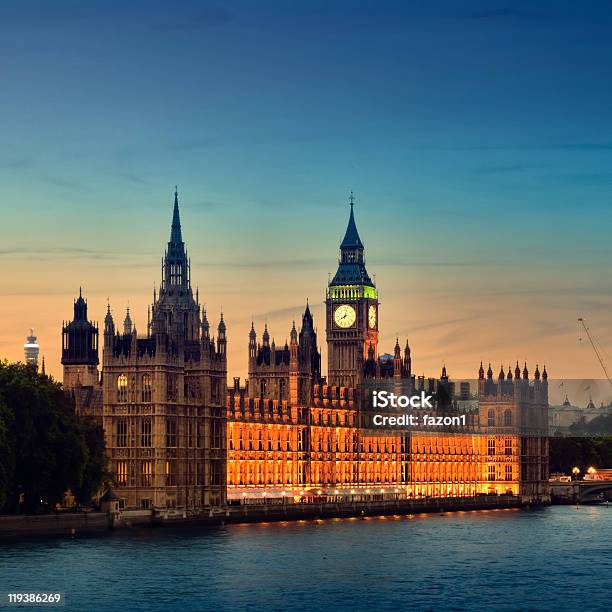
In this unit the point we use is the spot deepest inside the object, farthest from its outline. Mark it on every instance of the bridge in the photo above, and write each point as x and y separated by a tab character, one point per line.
581	491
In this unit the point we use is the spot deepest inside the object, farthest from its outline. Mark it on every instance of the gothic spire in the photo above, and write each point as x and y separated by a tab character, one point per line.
351	237
175	233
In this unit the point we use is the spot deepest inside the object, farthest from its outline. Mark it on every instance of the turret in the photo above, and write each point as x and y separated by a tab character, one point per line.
481	372
266	336
127	323
252	342
109	328
205	326
222	338
80	339
407	360
397	360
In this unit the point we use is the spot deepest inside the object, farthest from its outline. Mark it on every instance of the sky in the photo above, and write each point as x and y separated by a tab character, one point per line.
476	136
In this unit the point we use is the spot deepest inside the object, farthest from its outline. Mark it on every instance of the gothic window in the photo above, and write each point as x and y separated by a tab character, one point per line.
145	432
171	432
146	388
491	474
508	446
122	474
170	473
491	418
122	386
176	273
508	472
146	473
216	473
508	418
122	432
491	446
215	437
282	386
190	433
171	387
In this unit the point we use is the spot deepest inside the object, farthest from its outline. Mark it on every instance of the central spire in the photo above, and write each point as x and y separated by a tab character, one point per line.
175	233
175	267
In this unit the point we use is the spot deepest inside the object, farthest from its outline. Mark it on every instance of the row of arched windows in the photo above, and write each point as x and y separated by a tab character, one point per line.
146	394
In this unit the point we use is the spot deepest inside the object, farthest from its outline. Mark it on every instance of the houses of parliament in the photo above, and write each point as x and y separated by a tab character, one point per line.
178	436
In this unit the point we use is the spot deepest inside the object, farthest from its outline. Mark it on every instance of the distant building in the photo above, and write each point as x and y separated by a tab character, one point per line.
561	418
31	350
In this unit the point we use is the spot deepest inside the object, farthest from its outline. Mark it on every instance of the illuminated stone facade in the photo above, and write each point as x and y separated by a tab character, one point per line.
294	434
178	438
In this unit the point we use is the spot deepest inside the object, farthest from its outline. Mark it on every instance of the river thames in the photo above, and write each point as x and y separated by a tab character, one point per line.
552	559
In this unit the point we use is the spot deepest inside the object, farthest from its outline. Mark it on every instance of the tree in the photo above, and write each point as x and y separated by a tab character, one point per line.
44	448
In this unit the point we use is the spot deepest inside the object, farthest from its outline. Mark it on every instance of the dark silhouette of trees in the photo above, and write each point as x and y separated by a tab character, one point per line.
45	449
583	452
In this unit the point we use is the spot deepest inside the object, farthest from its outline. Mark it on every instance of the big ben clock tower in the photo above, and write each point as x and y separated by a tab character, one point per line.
352	312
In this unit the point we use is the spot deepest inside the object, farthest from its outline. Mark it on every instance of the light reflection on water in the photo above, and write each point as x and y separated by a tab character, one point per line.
557	558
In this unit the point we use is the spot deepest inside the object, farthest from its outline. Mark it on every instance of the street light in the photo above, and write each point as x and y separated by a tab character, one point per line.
592	470
575	472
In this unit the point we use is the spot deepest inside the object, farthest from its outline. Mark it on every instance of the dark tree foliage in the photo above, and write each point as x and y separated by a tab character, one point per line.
44	449
583	452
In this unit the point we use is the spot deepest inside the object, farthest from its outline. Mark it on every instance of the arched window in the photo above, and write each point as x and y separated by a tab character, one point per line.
122	384
491	418
146	388
508	418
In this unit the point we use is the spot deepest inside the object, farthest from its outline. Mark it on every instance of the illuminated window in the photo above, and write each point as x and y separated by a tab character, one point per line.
122	432
121	472
122	384
170	474
491	474
508	472
491	446
145	432
146	388
508	418
146	473
508	446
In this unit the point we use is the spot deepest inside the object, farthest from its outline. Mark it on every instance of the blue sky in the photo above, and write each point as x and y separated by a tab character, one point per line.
477	137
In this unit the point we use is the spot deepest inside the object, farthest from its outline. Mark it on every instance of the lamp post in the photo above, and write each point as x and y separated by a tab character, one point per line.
575	472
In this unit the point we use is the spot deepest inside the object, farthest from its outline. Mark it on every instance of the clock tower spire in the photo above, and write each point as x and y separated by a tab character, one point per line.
352	311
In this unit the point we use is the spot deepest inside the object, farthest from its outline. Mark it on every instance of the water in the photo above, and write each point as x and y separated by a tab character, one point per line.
552	559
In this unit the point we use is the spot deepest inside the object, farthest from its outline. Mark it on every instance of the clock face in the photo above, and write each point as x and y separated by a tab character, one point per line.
344	316
372	317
